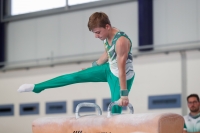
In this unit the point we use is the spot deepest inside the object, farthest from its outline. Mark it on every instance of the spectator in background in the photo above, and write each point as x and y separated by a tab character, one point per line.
192	120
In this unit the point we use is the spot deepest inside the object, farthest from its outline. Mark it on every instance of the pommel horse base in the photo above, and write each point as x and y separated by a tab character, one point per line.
124	123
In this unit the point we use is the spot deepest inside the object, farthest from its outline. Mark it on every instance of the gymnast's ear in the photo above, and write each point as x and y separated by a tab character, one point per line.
108	27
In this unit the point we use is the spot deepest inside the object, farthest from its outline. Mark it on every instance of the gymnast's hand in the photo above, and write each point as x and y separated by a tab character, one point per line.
84	68
123	101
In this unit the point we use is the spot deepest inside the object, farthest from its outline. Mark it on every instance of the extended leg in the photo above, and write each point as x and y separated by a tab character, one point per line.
93	74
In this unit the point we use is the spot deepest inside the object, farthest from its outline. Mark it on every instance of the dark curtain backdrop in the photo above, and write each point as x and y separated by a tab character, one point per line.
2	41
145	13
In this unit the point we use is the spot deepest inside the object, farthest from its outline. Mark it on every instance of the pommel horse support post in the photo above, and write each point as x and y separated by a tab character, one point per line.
112	123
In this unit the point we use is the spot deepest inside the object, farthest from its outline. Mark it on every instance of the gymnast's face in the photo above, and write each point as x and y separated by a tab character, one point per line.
193	104
101	33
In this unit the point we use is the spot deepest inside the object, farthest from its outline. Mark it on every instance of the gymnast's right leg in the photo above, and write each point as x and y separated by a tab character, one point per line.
92	74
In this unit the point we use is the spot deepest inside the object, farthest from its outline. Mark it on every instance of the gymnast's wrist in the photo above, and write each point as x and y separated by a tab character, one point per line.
124	93
124	97
94	64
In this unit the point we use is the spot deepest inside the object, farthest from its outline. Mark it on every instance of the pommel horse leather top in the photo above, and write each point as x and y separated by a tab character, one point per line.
123	123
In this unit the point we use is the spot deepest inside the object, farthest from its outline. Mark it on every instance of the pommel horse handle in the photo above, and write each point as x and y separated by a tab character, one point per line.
87	105
109	114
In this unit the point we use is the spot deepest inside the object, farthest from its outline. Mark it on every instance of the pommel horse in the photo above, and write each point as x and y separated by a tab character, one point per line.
112	123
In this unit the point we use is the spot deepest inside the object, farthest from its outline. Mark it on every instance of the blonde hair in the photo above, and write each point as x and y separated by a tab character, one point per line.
98	19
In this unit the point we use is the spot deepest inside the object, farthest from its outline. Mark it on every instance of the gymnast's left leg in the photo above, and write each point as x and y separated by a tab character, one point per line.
92	74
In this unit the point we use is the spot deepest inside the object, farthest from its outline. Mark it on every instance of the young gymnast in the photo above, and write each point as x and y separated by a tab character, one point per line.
114	66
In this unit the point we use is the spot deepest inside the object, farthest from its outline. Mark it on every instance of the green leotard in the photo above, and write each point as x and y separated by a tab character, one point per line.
107	72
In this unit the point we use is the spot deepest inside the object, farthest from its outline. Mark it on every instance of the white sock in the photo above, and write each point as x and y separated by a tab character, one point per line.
26	88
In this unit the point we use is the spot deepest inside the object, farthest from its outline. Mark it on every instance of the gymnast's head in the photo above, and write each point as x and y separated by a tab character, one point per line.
99	24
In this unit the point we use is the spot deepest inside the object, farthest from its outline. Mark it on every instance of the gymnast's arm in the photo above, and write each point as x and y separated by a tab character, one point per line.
122	49
103	59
